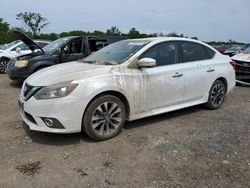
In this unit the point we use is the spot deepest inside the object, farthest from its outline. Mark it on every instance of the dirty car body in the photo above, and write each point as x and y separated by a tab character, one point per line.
142	77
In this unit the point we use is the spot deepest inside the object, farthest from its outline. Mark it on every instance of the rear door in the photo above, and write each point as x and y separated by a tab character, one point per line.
199	68
72	51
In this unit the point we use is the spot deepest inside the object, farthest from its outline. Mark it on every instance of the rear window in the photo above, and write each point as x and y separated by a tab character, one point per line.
210	52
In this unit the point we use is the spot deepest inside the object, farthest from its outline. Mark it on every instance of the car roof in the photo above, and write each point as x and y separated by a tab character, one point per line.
158	39
164	39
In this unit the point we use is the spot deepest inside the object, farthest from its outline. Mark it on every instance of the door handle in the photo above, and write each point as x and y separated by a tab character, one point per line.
210	70
177	75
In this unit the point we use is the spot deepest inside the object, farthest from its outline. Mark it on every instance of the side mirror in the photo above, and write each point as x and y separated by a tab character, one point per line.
18	50
146	63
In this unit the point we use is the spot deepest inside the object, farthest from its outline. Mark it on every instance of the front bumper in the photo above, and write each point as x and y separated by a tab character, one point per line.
67	111
19	74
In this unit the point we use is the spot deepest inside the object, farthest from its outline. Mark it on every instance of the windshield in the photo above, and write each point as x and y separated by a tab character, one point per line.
247	51
6	46
116	53
51	47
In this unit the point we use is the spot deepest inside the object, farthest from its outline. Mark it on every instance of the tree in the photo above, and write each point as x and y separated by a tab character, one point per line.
195	38
5	35
4	26
133	33
113	31
173	34
34	21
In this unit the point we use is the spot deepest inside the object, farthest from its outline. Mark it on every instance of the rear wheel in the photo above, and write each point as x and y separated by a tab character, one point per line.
216	95
104	118
3	65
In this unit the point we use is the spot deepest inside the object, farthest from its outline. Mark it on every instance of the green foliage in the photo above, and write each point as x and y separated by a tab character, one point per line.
133	33
34	21
6	34
195	38
114	31
173	34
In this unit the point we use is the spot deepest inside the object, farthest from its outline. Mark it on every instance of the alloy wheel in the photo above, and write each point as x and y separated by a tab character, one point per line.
217	95
3	66
106	118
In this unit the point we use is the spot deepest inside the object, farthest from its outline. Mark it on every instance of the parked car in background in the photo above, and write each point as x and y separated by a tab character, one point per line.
222	49
59	51
15	49
242	62
127	80
234	50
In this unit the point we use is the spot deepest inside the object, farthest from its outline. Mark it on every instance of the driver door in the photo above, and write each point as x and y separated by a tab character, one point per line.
72	51
164	84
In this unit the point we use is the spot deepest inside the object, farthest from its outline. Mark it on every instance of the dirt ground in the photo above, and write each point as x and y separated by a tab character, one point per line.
193	147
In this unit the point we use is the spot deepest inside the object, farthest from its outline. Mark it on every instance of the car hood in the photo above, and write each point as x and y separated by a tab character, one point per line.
65	72
28	41
242	57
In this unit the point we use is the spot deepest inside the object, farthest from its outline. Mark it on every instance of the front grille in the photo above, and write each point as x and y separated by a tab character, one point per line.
242	67
28	91
11	64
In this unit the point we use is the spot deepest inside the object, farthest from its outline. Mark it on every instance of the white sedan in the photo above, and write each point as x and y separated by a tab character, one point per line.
127	80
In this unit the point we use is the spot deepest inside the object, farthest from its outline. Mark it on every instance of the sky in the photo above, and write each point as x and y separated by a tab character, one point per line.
209	20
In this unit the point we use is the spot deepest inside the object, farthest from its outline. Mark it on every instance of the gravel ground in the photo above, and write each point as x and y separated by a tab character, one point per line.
193	147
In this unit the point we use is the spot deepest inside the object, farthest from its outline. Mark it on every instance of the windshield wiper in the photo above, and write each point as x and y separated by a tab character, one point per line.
84	61
104	63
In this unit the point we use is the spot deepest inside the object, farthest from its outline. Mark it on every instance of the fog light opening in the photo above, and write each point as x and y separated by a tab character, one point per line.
52	123
49	122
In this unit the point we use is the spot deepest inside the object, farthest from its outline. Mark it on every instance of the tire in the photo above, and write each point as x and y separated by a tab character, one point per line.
3	66
104	118
216	95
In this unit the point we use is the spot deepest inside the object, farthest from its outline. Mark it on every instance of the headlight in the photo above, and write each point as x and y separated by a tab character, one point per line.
21	63
56	91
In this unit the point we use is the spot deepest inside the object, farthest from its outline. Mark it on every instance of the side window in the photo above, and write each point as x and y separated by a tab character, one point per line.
164	53
73	47
95	45
193	52
21	46
210	52
41	44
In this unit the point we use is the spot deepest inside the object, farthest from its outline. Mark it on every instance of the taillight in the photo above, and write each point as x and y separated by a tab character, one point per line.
233	63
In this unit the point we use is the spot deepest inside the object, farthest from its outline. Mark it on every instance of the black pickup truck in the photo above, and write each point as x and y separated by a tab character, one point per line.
61	50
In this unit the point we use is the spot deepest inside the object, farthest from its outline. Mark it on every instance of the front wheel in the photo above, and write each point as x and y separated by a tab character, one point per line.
104	118
216	95
3	66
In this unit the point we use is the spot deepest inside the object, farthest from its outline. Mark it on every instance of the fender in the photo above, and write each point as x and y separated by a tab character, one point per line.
4	57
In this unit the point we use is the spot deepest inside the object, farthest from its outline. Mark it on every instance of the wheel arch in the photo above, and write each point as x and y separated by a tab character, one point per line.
117	94
224	80
4	57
